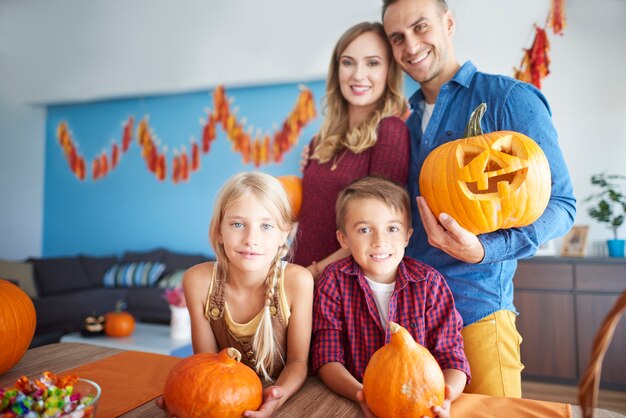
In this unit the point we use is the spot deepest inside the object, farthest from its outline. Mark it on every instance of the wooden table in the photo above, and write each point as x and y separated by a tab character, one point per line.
313	400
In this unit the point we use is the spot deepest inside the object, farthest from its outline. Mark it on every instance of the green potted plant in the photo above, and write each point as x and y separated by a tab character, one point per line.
609	207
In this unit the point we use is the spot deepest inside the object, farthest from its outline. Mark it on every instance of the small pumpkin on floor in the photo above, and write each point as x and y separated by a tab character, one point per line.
119	323
212	385
402	379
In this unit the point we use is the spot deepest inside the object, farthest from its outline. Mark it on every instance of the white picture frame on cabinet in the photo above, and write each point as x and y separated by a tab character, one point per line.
547	249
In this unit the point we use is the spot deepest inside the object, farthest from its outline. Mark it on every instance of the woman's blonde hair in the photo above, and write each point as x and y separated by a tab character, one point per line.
271	194
335	133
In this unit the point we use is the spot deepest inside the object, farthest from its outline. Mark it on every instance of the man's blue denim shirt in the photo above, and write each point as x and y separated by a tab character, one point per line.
484	288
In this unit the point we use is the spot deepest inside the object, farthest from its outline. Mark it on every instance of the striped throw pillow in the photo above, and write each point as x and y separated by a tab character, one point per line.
139	274
174	279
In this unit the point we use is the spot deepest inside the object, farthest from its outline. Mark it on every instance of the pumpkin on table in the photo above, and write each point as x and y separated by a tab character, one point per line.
402	379
119	323
293	186
489	181
17	324
212	385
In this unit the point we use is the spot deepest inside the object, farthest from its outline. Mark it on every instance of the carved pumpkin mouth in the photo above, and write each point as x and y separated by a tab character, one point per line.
492	173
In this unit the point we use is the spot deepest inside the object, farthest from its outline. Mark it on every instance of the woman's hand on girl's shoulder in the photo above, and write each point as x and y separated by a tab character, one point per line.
304	158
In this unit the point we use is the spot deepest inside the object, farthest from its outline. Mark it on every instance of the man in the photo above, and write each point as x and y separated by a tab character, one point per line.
479	269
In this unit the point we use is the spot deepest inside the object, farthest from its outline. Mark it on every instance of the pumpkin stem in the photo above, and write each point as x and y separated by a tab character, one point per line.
120	305
393	327
473	126
233	353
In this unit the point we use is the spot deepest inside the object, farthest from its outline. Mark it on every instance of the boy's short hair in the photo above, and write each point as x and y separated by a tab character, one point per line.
377	188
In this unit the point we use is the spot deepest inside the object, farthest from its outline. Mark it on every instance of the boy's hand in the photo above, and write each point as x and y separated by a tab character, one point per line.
447	235
367	412
444	410
271	398
160	402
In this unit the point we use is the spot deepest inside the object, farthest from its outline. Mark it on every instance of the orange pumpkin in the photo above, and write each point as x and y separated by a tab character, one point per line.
293	186
212	385
402	379
17	324
487	181
119	323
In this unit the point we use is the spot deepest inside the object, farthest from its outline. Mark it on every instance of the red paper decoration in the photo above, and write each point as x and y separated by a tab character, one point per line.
536	61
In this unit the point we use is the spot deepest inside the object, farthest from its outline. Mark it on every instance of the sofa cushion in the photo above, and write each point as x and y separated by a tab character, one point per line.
20	273
174	279
139	274
158	254
66	312
96	267
177	261
59	275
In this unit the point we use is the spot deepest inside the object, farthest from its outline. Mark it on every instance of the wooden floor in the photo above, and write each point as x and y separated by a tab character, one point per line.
607	399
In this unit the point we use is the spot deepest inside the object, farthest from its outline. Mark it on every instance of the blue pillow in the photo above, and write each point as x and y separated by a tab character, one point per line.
139	274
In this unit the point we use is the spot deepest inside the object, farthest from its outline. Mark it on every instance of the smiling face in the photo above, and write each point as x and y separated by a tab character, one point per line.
420	33
376	234
251	236
363	68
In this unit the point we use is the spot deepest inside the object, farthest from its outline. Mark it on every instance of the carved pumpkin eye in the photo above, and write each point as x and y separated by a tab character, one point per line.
492	172
487	181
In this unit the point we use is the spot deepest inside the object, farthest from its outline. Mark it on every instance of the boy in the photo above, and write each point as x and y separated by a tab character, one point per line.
356	297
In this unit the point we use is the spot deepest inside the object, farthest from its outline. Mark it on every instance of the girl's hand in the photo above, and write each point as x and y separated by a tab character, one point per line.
160	402
271	402
444	410
367	412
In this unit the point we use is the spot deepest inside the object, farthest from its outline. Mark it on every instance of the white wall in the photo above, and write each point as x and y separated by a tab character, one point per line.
70	50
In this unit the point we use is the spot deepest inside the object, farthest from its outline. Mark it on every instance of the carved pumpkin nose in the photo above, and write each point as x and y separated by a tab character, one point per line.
487	181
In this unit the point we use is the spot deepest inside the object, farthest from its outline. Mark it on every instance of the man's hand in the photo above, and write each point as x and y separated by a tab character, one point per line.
271	402
449	236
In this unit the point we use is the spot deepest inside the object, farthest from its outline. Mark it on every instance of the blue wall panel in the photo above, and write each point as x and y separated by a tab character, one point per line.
130	209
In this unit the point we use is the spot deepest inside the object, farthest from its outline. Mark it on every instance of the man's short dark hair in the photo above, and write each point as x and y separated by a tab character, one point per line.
387	3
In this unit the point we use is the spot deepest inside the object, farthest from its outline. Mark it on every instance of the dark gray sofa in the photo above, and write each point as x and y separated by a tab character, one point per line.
68	289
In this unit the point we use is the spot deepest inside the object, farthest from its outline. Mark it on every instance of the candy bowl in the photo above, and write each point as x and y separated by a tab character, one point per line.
50	396
90	395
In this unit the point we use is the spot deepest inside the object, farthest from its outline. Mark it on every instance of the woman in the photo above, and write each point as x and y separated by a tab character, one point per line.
361	135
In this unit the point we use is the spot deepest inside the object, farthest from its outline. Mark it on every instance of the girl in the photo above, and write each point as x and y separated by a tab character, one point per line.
361	135
249	298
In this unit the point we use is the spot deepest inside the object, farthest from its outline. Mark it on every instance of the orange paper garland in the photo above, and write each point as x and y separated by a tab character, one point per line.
258	150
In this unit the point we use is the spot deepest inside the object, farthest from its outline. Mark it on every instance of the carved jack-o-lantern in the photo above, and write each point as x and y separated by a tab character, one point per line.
94	324
487	181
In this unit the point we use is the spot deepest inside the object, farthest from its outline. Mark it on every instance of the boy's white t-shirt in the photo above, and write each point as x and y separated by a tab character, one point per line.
382	293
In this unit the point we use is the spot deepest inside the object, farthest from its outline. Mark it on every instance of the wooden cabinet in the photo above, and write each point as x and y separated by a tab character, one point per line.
562	302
